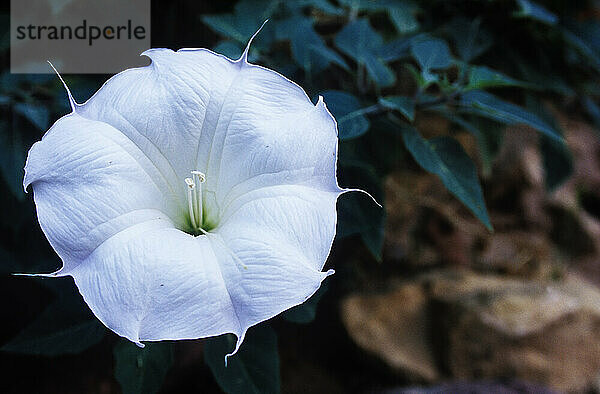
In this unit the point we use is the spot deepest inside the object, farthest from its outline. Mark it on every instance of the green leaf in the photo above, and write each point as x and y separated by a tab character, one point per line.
306	312
405	105
328	55
348	113
254	369
323	5
584	47
482	77
359	41
556	156
403	16
489	135
308	48
402	13
445	157
481	103
142	370
379	72
65	327
532	10
431	53
367	5
247	17
394	50
469	39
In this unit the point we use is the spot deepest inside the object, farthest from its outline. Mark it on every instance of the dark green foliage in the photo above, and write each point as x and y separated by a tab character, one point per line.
489	135
359	41
404	105
308	48
142	370
470	40
431	53
530	9
482	77
481	103
445	157
306	312
357	212
65	327
379	65
348	112
254	369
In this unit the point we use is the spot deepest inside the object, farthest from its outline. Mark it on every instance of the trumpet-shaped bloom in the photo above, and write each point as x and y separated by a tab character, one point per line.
190	198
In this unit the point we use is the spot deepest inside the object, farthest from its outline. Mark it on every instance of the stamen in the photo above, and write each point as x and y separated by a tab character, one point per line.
191	187
195	199
199	179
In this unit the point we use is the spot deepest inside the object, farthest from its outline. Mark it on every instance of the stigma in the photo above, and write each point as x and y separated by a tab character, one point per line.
194	196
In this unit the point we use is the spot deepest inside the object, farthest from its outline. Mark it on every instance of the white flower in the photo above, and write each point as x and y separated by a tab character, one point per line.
190	198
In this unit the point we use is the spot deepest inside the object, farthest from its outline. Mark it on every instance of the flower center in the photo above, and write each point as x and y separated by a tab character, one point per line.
194	196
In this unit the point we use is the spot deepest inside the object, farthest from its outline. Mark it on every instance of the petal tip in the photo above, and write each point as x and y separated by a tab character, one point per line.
244	58
364	192
240	340
56	274
154	54
72	101
320	102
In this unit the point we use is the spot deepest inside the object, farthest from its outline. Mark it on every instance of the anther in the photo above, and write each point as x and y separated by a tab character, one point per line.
200	175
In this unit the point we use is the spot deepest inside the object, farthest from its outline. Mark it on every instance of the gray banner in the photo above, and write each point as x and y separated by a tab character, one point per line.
78	36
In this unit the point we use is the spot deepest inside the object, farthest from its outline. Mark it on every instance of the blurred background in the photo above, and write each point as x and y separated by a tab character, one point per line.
476	124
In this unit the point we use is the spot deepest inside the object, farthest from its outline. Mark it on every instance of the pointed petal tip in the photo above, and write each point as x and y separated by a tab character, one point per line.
244	58
51	275
26	180
364	192
240	340
320	102
155	54
72	101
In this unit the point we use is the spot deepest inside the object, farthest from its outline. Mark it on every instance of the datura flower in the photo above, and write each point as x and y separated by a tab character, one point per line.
190	198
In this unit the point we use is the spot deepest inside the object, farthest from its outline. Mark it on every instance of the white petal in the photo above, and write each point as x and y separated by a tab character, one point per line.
152	282
108	184
242	125
273	246
170	108
90	182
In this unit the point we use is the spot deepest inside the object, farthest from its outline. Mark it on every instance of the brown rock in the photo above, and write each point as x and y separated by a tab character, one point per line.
393	327
519	253
503	328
